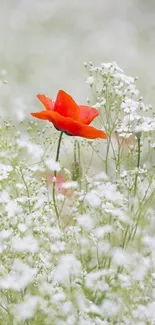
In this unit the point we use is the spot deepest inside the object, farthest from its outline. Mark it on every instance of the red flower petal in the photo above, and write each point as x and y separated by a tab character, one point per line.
47	102
66	106
70	126
87	114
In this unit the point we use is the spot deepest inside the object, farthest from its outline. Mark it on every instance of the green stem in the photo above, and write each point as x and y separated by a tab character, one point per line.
138	165
54	183
75	160
80	171
107	154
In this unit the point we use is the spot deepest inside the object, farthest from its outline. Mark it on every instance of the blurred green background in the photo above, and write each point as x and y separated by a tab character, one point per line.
43	44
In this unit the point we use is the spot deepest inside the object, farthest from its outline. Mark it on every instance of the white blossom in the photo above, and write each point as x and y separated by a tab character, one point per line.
12	208
86	222
5	170
90	81
53	165
19	277
25	244
27	308
67	267
93	199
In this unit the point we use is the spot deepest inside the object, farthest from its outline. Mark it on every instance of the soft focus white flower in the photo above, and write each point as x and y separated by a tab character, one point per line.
5	170
53	165
110	308
4	197
100	232
93	199
25	244
90	81
67	185
27	308
19	277
120	257
129	105
12	208
86	222
22	227
67	268
4	234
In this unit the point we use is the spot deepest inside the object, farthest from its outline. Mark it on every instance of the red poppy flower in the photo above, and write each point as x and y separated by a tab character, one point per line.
69	117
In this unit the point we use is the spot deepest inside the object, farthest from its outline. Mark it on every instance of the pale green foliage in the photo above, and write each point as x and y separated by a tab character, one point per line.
98	266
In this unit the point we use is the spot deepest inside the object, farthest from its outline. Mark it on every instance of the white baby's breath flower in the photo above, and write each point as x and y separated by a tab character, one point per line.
26	309
53	165
100	232
111	67
120	257
5	170
67	267
90	80
5	234
19	277
58	247
110	308
12	208
110	192
146	124
25	244
86	222
124	174
22	227
68	185
141	268
129	105
93	199
99	105
4	197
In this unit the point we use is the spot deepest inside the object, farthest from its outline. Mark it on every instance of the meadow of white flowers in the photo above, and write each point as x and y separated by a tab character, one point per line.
94	263
97	265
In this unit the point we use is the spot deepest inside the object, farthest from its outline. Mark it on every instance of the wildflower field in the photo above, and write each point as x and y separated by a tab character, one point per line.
77	162
77	208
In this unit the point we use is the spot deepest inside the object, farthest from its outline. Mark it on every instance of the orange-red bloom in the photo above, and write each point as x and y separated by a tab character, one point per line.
69	117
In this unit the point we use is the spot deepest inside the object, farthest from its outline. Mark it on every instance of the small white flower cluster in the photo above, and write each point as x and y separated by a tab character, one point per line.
119	101
5	170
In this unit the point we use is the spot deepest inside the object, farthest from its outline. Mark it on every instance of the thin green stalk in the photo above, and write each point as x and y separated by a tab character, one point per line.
138	165
107	154
54	183
80	175
76	166
75	160
79	161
